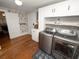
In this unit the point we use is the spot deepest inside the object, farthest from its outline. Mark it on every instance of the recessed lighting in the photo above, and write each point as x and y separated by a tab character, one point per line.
18	2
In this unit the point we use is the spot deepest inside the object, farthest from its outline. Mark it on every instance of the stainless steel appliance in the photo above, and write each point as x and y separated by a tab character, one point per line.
64	49
67	50
45	42
63	44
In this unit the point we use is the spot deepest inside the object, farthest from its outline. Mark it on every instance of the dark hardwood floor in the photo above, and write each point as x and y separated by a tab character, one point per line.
19	48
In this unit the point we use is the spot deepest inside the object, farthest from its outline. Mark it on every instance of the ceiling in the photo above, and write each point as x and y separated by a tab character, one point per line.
28	5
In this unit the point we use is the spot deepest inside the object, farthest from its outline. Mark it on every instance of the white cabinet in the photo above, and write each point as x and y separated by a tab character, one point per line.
47	11
73	7
66	8
52	11
61	9
35	35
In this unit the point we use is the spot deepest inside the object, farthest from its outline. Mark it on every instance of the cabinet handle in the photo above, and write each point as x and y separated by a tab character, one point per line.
68	7
54	10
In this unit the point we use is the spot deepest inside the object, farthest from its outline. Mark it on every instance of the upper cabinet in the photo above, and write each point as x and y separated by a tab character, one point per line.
61	9
45	11
73	7
66	8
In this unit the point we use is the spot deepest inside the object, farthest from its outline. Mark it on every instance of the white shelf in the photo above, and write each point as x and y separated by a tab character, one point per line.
66	23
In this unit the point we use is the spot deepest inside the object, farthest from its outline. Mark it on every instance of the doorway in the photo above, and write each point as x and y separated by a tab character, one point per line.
4	34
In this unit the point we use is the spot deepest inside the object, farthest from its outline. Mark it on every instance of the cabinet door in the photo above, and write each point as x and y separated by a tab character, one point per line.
44	11
35	35
61	9
74	7
47	11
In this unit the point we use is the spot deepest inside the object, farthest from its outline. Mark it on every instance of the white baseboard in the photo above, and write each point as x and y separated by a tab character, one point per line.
19	35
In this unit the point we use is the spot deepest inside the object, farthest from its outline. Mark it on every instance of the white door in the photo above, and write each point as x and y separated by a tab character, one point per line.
13	24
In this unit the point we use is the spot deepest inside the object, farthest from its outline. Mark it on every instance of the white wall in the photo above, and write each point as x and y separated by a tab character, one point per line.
10	22
12	19
32	18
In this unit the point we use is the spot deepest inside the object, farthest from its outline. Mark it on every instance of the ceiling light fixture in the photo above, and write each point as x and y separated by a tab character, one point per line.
3	14
18	2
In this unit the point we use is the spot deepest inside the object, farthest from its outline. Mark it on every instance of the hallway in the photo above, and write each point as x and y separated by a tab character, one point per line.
4	40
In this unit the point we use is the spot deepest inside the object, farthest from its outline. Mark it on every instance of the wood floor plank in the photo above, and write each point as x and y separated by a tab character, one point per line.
19	48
